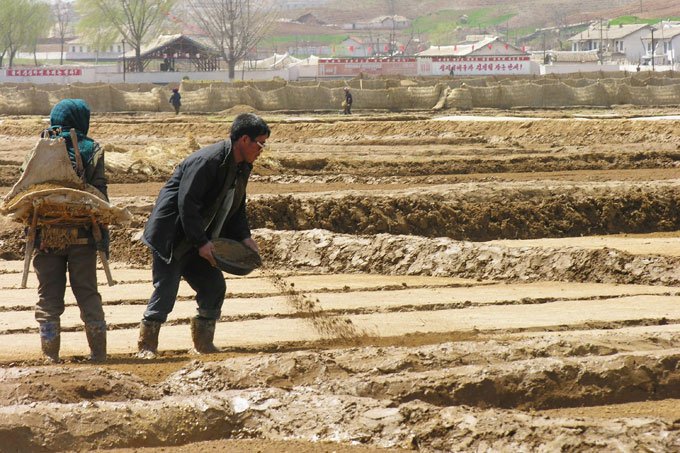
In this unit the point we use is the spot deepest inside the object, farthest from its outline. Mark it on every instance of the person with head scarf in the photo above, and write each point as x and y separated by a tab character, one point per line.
63	248
176	100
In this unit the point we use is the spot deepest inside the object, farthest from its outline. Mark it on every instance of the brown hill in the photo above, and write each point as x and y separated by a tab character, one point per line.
537	13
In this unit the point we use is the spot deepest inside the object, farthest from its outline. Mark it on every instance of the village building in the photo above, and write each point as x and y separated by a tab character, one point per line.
353	47
666	45
78	50
75	49
392	22
486	56
566	57
171	53
309	19
368	47
615	43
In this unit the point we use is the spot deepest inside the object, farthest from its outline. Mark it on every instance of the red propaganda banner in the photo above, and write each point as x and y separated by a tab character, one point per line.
44	72
488	65
349	67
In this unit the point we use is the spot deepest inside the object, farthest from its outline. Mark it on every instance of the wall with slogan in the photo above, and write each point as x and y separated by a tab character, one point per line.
480	66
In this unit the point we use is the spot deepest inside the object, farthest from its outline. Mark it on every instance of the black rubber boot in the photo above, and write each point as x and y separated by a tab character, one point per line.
203	333
50	340
96	338
148	339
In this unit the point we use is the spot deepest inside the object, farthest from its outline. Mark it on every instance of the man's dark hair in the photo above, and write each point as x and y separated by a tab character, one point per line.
248	124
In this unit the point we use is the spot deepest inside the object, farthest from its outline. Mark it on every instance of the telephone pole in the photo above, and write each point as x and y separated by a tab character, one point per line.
600	52
652	29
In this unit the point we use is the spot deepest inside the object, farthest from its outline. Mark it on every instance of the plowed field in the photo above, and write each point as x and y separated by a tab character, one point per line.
478	283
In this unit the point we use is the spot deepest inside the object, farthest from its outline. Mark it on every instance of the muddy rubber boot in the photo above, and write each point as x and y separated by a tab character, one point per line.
147	344
96	338
203	333
50	340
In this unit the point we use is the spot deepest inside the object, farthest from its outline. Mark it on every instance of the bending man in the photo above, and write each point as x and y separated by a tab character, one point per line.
204	199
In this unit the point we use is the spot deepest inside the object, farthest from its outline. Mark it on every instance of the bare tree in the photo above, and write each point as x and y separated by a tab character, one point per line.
133	20
22	22
61	11
560	18
393	31
7	27
38	22
234	27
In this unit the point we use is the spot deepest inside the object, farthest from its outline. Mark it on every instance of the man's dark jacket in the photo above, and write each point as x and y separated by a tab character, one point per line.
189	201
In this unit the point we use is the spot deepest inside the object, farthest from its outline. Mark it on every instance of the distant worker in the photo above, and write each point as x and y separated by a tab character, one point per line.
348	101
176	100
205	199
63	248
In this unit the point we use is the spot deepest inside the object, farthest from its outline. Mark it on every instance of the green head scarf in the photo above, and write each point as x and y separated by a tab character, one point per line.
74	114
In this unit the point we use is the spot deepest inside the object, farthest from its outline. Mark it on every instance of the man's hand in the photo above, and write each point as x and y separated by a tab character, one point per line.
206	252
250	242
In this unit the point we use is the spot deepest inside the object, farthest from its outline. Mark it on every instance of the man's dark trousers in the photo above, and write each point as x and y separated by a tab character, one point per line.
207	281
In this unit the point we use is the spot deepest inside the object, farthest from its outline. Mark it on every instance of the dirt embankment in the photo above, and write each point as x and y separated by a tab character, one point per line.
508	214
450	396
390	254
374	148
474	212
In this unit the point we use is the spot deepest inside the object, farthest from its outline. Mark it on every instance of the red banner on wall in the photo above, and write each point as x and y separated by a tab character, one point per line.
44	72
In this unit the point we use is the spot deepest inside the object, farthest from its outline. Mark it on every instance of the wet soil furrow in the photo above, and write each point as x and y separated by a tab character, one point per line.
305	415
411	255
501	216
454	166
544	384
541	384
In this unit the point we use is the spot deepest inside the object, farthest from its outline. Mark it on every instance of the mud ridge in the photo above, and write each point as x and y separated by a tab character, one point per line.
455	165
22	386
504	214
545	383
305	414
472	212
411	255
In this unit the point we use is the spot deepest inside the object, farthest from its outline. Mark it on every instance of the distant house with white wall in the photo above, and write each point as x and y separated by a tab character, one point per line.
392	22
74	50
78	50
352	47
368	47
297	4
622	43
566	57
486	46
488	56
666	45
309	19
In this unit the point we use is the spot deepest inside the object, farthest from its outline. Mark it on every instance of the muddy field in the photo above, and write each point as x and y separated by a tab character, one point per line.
503	281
